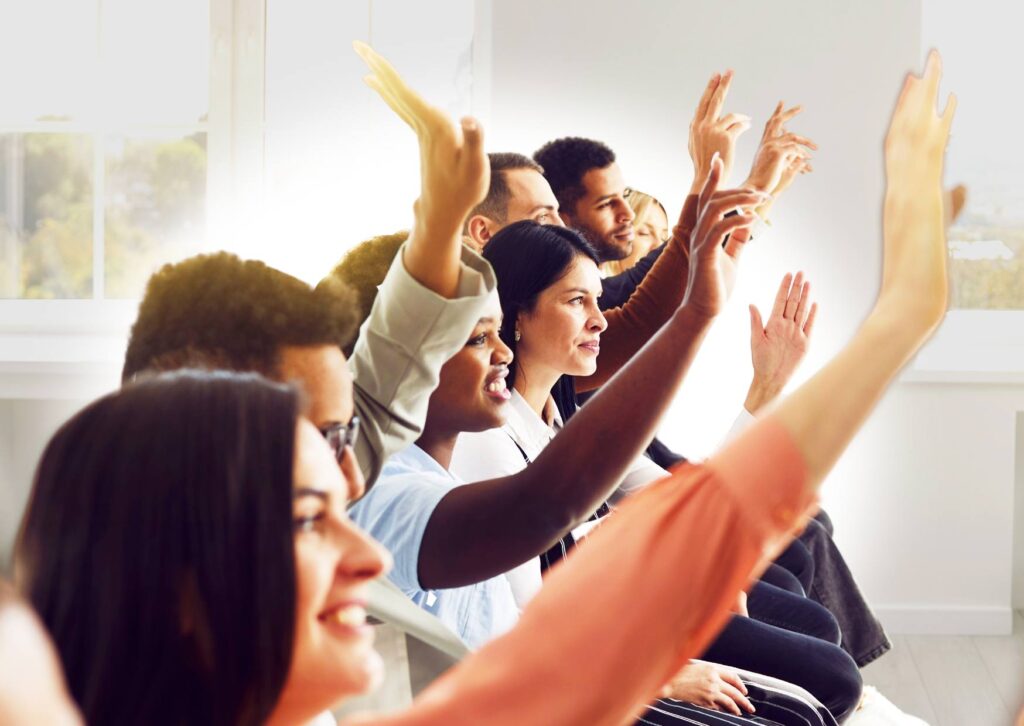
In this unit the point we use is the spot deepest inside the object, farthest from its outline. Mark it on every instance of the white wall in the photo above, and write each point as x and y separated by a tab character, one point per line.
923	500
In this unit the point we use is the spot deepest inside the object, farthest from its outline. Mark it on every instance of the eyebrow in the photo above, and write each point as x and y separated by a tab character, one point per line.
584	290
607	197
301	492
549	207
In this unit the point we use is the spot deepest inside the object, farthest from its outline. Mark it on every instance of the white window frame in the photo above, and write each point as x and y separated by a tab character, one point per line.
70	332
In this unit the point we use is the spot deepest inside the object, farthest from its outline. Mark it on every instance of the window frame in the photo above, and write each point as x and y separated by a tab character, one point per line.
65	331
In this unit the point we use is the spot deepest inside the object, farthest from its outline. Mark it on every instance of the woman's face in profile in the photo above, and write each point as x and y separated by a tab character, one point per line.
563	331
332	652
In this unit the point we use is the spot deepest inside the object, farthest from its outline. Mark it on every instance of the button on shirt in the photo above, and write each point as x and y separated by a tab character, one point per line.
396	512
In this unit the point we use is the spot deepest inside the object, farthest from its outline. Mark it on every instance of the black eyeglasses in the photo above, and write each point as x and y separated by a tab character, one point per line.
340	435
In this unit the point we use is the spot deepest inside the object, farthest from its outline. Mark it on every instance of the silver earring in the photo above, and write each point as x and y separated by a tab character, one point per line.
518	335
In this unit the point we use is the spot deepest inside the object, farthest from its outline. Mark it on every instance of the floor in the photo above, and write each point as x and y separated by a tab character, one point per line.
955	680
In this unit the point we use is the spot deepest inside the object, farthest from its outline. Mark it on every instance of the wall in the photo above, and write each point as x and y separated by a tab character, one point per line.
923	499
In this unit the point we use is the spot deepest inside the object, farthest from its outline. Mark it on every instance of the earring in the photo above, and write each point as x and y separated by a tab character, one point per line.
518	335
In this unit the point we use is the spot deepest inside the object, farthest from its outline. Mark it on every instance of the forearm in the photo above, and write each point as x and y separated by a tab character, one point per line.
432	254
824	414
522	515
761	393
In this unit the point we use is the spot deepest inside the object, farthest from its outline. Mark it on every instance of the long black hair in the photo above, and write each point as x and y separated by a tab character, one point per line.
157	547
528	258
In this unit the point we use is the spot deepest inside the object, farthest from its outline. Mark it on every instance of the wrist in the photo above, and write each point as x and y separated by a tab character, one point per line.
761	393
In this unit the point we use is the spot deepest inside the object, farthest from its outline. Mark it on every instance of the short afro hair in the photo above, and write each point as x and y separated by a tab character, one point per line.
495	204
362	270
219	311
565	161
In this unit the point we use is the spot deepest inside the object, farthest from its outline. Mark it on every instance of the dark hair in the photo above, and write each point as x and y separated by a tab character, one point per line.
495	204
566	161
158	549
219	311
527	259
362	270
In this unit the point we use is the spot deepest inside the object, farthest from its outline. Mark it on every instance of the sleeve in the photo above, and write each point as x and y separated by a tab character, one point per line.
743	421
658	579
615	290
484	455
411	332
396	512
649	307
641	473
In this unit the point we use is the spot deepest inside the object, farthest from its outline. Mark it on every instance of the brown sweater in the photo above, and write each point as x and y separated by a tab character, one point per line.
649	307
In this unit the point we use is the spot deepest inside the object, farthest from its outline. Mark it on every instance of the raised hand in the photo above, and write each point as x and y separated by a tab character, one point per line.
914	260
710	133
780	157
709	686
712	271
777	348
453	166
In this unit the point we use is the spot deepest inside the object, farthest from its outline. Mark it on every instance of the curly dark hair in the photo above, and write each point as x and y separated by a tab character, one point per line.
566	160
219	311
362	270
495	204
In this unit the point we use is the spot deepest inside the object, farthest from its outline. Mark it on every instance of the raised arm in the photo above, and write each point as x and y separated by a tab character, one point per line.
454	175
520	516
646	604
434	294
824	413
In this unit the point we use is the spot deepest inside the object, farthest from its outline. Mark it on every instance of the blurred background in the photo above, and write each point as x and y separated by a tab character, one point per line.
138	132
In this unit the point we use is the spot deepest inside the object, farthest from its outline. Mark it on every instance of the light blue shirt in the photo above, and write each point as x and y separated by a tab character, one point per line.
396	511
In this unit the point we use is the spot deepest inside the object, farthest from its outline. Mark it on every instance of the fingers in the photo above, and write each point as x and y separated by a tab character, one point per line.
932	76
718	97
726	227
705	99
793	299
809	325
473	138
735	119
737	700
733	679
711	183
803	305
726	703
947	114
781	296
382	91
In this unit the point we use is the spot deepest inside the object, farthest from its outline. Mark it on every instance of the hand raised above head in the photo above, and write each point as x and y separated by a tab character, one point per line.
711	133
781	154
713	265
453	166
914	280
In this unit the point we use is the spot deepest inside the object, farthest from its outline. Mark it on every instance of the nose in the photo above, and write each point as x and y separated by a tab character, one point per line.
625	212
596	322
362	557
353	474
502	354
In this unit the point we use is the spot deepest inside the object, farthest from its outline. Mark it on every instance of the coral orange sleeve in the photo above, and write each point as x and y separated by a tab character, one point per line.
649	590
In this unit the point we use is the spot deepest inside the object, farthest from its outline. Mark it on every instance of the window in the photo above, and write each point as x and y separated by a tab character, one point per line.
103	143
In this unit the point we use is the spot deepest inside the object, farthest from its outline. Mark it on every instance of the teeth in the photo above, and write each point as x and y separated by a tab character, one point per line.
353	616
496	386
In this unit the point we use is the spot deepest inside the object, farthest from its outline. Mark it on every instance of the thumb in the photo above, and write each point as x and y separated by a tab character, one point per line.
473	136
756	326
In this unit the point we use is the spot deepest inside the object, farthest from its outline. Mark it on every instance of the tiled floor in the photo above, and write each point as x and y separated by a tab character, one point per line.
955	680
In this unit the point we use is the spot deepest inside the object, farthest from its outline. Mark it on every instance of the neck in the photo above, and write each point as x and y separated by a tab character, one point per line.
438	442
535	385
